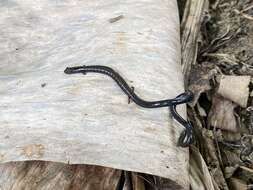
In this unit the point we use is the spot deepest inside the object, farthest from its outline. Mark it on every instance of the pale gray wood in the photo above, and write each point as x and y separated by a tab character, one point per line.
47	115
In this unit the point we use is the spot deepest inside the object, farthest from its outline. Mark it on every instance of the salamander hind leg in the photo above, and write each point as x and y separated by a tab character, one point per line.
129	98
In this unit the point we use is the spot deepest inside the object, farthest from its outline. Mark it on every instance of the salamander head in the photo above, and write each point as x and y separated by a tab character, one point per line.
73	70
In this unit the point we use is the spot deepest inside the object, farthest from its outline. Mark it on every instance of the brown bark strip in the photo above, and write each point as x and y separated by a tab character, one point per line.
38	175
190	28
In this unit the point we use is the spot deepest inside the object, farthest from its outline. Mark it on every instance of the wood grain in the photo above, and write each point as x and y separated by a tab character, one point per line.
39	175
47	115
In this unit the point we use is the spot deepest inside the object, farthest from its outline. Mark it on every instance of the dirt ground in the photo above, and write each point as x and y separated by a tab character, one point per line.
222	112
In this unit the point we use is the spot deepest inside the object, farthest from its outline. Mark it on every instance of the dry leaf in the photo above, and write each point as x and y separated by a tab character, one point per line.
237	184
235	88
138	182
200	177
221	114
230	170
199	80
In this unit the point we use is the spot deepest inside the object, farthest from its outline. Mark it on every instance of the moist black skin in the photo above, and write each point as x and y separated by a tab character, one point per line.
186	137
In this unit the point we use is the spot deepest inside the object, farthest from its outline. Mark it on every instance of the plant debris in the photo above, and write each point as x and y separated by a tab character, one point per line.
235	88
221	81
222	115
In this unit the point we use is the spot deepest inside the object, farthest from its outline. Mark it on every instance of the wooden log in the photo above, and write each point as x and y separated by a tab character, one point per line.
47	115
32	175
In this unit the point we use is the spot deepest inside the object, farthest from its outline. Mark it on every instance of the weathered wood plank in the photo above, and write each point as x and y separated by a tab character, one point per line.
47	115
